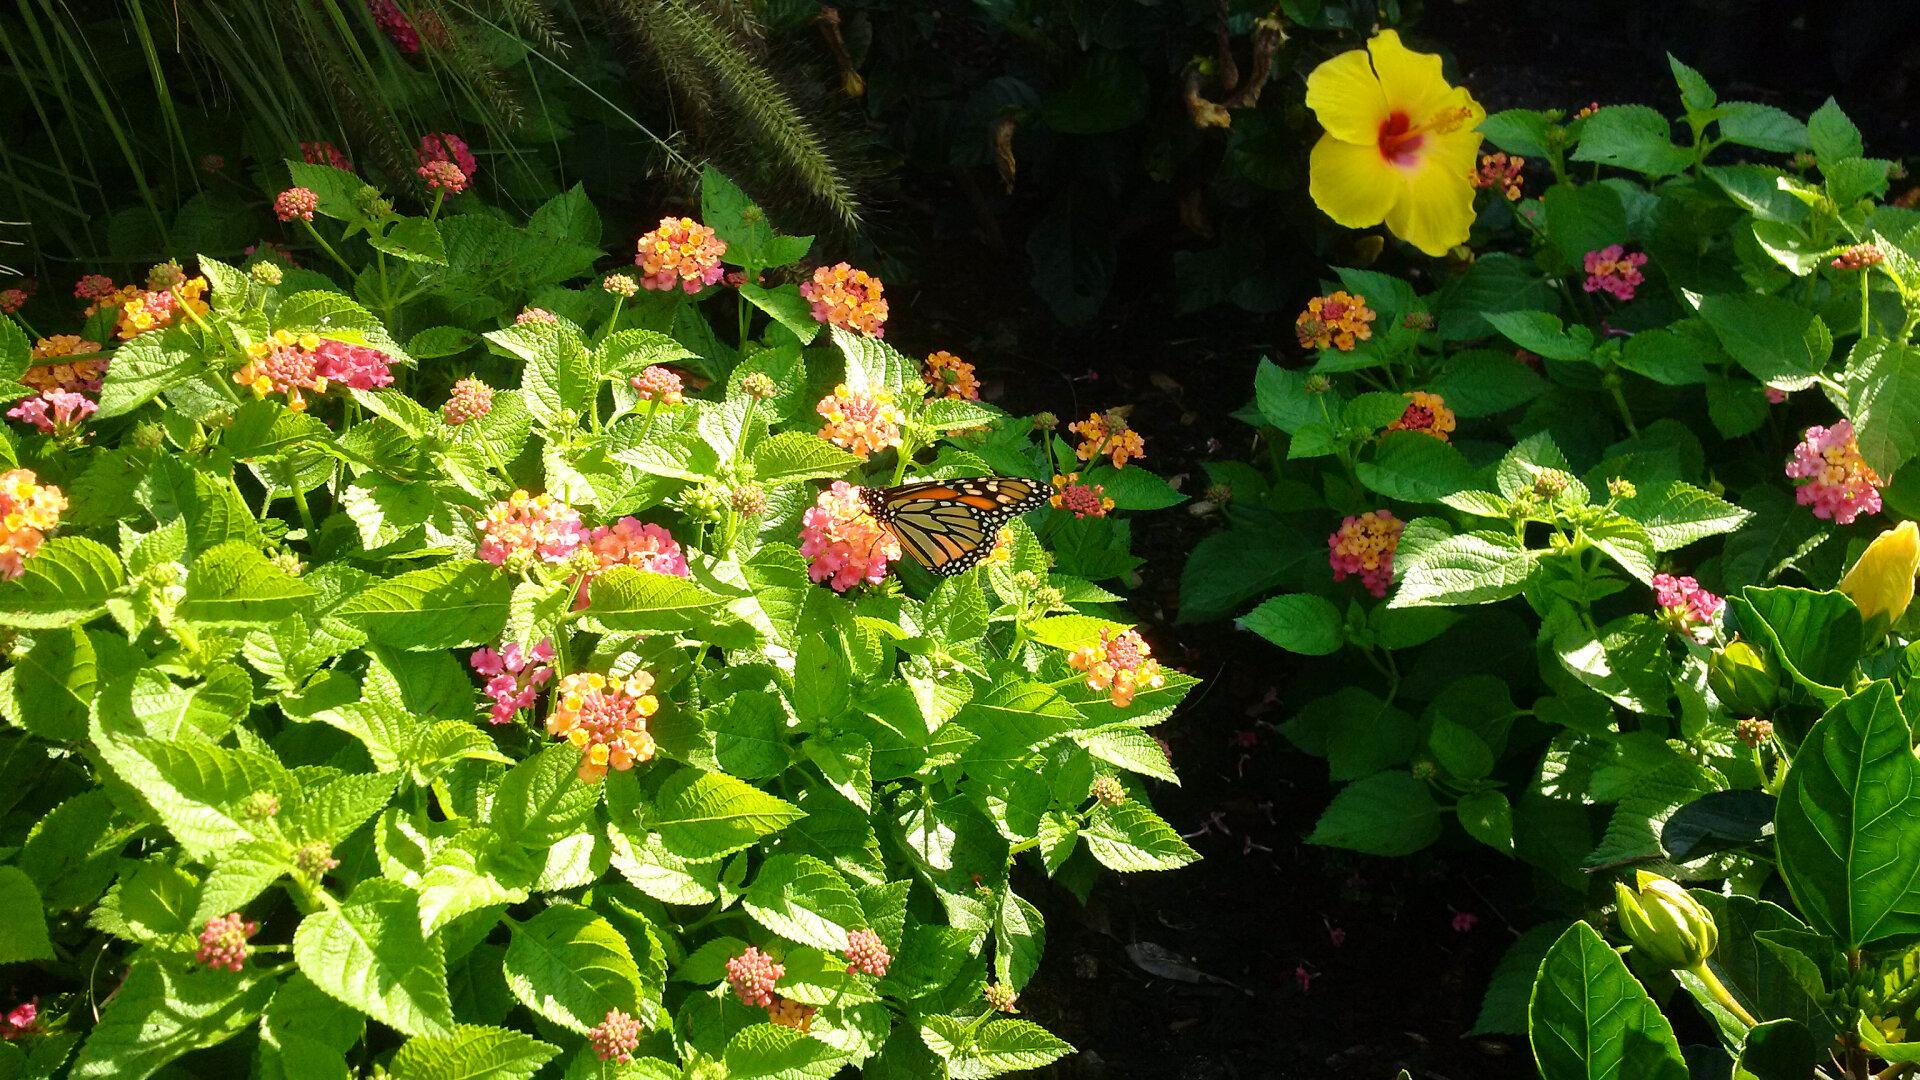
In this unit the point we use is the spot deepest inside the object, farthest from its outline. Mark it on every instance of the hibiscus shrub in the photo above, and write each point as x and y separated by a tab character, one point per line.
515	665
1539	466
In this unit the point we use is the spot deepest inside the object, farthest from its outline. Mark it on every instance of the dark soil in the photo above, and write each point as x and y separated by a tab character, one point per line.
1314	962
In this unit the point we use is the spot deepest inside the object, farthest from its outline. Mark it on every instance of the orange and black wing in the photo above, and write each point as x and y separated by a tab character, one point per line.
949	525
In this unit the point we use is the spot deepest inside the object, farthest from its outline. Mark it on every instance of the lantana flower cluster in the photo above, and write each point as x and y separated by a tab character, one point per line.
28	511
1121	664
51	372
525	528
752	975
469	400
843	543
322	152
659	384
1338	321
1501	173
1615	271
951	377
1081	500
223	943
681	253
1107	433
845	297
605	718
170	292
59	413
1838	484
615	1037
298	364
861	423
1363	547
1687	609
514	676
631	542
1427	414
394	23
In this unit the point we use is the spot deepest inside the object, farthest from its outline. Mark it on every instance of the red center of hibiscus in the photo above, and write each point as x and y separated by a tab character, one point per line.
1399	141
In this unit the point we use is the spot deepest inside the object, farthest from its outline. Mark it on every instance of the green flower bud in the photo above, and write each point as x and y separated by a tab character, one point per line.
265	273
1745	678
1668	926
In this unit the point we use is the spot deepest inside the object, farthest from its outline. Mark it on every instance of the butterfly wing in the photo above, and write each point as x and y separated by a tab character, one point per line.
948	526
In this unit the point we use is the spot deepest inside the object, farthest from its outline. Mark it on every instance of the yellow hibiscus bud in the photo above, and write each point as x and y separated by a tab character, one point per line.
1668	927
1881	583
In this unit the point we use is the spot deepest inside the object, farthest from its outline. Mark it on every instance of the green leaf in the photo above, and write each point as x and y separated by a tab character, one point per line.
1676	514
1299	623
1130	837
1388	813
234	583
1463	754
1415	467
702	815
1581	218
1487	816
1005	1046
1483	382
569	965
305	1026
1628	661
1763	127
144	368
874	365
1883	398
1503	1011
629	598
771	1052
1779	1050
53	685
803	899
1833	136
793	456
1283	400
1519	131
1848	826
1817	636
1542	333
24	935
66	582
413	239
630	352
1470	568
1128	747
1666	355
341	192
472	1053
1631	137
1695	94
734	218
541	800
158	1016
786	306
449	606
369	953
1589	1019
1779	342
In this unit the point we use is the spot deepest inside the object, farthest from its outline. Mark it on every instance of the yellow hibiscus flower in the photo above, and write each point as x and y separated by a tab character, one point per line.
1400	146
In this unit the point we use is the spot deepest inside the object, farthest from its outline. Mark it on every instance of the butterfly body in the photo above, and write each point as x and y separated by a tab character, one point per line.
948	526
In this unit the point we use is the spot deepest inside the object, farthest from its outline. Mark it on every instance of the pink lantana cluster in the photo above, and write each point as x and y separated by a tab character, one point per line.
660	384
605	718
296	202
631	542
1838	483
536	316
843	543
1364	546
1687	609
752	975
12	300
615	1038
394	23
681	253
443	176
321	152
223	944
514	676
530	527
867	953
470	400
356	367
22	1019
861	423
58	413
1615	271
446	146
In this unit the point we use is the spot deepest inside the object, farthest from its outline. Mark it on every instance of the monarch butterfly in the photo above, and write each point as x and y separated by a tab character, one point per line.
949	525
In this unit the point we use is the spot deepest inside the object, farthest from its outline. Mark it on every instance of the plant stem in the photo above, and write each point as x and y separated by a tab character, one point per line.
328	248
1720	993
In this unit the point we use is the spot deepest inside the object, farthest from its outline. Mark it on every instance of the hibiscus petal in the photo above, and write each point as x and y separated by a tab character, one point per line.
1435	208
1346	96
1353	183
1411	81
